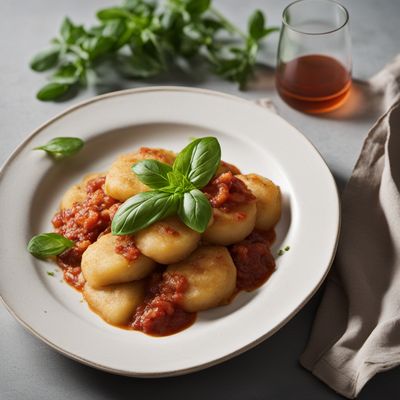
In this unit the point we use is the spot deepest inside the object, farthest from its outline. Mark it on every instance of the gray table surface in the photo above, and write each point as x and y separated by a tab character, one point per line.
29	369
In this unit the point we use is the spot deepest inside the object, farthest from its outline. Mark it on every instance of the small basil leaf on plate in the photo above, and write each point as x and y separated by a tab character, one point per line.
195	210
52	91
142	210
152	173
61	147
49	244
45	59
199	160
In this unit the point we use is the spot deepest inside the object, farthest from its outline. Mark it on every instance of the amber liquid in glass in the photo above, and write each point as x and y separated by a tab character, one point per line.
313	83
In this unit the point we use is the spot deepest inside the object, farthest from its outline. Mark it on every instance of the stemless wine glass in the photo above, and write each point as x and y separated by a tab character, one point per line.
314	56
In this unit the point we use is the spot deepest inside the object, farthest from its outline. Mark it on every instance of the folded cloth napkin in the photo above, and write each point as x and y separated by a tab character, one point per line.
356	333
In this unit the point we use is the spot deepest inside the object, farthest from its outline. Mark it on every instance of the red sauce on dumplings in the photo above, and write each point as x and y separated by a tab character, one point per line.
126	247
161	313
226	192
253	260
83	223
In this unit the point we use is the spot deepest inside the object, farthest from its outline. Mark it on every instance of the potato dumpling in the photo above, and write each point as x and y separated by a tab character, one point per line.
121	181
77	193
102	265
269	203
211	276
167	241
116	303
231	226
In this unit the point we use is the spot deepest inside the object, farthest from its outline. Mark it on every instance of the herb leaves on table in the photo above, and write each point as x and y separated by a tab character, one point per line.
175	190
144	38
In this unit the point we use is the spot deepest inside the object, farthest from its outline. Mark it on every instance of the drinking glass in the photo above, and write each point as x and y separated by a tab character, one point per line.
314	56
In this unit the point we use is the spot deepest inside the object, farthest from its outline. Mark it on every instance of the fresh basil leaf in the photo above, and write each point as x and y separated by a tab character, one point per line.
139	65
199	160
49	244
112	13
192	32
114	29
125	37
212	25
179	182
152	173
197	7
168	19
97	46
256	25
70	32
142	210
139	7
61	147
195	210
67	74
52	91
45	59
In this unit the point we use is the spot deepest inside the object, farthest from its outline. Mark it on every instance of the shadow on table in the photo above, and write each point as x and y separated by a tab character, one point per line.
363	103
269	370
110	78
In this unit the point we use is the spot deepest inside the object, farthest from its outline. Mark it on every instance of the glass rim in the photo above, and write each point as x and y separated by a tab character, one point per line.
288	25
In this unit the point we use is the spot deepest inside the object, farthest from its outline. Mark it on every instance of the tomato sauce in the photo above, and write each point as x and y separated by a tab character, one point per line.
253	260
226	192
161	313
83	223
126	247
156	154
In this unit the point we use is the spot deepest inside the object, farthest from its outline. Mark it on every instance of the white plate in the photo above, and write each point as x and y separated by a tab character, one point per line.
252	138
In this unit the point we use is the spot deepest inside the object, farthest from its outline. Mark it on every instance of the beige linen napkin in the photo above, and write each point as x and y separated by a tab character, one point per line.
356	333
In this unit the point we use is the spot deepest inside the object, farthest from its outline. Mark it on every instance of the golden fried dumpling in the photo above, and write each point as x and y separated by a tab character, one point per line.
102	265
269	202
231	226
167	241
116	303
77	193
211	276
121	181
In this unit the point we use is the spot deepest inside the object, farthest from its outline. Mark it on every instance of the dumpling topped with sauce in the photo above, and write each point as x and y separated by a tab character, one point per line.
156	278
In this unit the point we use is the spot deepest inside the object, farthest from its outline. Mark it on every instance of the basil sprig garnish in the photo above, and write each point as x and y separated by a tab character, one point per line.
175	190
49	244
61	147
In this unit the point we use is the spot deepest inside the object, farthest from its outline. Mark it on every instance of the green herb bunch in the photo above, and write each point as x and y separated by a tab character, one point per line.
144	38
175	190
